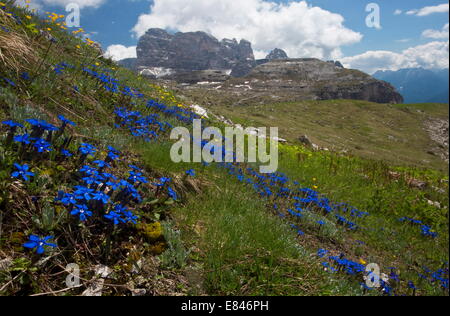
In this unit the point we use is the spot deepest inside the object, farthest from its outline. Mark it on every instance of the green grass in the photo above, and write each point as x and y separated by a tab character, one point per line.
392	133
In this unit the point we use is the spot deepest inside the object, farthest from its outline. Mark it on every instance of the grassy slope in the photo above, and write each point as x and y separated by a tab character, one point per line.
237	243
393	133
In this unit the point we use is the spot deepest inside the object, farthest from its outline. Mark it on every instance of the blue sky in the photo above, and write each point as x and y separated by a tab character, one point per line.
327	29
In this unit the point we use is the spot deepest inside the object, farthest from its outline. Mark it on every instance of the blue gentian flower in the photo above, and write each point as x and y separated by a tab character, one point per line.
113	154
66	153
137	177
84	192
322	253
41	124
65	121
25	76
114	217
191	172
12	124
24	139
10	82
82	211
39	243
42	146
88	170
129	217
172	193
102	164
163	181
22	172
70	199
100	196
87	149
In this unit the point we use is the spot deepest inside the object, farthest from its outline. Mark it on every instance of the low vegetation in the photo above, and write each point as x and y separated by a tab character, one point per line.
86	178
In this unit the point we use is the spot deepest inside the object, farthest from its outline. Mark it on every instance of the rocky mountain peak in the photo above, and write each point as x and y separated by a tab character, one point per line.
193	51
277	54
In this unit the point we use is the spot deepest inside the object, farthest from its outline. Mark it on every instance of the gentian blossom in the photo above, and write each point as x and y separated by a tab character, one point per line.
39	243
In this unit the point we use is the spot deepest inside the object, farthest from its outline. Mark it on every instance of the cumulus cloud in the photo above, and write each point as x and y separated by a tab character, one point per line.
119	52
398	12
429	56
437	34
441	8
298	28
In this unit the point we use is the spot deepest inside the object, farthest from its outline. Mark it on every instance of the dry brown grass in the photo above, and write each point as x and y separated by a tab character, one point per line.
16	52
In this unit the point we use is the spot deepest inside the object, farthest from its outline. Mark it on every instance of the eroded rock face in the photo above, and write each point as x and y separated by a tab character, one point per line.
316	79
438	132
193	51
277	54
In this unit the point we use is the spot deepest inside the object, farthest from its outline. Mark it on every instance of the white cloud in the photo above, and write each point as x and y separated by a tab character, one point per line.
437	34
398	12
428	56
403	40
119	52
298	28
441	8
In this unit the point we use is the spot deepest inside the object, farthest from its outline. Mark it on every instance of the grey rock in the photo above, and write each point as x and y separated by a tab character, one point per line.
336	63
277	54
305	140
438	132
129	63
194	51
316	79
200	76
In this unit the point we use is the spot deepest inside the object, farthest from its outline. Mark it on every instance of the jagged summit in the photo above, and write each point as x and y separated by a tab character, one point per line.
193	51
277	54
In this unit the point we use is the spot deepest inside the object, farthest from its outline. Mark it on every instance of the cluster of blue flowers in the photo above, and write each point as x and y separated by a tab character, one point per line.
110	83
426	230
59	68
348	266
146	127
183	115
336	264
277	185
22	172
440	276
40	136
101	191
100	194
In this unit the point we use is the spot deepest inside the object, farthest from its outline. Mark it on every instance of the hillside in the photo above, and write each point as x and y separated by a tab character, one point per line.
396	133
86	178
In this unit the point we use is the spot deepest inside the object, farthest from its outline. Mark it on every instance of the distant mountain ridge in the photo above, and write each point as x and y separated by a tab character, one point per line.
418	85
199	58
